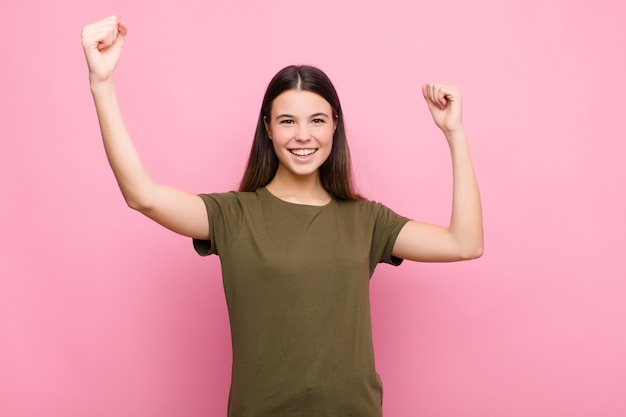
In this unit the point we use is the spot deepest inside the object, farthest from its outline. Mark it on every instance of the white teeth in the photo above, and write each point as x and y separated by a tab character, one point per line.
302	152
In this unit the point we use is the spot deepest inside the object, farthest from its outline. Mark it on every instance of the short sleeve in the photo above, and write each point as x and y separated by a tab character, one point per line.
224	212
387	226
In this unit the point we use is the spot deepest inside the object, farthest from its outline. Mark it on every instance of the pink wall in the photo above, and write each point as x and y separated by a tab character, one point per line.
103	313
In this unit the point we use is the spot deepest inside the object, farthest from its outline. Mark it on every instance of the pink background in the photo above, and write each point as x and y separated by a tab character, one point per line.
103	313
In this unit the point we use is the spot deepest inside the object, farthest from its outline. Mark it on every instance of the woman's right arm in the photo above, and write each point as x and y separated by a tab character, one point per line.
178	210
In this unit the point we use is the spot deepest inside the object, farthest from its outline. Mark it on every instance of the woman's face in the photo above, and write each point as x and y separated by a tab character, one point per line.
301	127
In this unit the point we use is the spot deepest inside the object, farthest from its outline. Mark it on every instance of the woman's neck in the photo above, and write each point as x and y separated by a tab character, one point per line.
299	189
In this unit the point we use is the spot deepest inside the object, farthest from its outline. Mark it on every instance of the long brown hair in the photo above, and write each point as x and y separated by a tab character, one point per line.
336	172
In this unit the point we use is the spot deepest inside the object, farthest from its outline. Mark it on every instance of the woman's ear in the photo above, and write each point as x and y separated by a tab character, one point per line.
267	128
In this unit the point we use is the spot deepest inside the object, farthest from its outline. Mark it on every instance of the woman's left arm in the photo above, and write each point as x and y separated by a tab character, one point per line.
463	238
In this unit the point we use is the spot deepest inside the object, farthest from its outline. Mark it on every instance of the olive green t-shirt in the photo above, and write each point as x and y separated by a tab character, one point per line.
296	279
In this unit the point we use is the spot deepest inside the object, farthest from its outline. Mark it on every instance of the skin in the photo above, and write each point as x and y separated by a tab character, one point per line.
462	239
299	120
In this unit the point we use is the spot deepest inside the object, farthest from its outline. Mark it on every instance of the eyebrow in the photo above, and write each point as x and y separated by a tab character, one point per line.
293	117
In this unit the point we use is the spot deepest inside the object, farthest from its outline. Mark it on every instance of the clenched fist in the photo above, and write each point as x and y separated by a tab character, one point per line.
102	44
444	103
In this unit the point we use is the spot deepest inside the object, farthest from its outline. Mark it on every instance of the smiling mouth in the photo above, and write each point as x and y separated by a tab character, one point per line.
302	152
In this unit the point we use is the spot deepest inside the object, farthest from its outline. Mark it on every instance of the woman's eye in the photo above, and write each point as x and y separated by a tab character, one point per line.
318	121
286	122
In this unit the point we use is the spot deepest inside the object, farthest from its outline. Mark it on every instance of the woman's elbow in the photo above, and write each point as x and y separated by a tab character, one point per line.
474	252
137	203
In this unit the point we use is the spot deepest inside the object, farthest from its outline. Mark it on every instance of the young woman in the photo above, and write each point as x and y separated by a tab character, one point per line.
296	243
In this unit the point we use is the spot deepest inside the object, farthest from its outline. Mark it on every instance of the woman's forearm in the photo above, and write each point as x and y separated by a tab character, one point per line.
132	178
466	220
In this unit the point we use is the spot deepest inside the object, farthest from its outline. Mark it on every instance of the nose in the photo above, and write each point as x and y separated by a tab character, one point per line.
303	134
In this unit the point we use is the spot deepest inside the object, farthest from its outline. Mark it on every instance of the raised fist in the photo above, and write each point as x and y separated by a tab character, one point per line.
102	44
444	103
